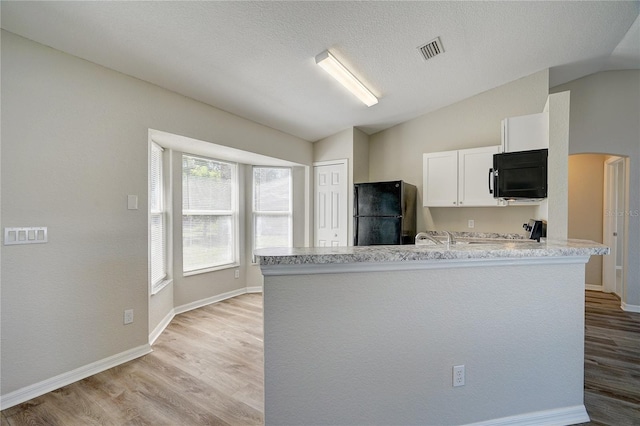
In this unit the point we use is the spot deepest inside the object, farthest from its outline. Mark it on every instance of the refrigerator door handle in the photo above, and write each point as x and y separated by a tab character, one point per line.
490	176
355	204
355	232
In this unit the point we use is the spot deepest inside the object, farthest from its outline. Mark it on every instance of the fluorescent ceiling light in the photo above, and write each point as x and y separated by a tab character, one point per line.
330	64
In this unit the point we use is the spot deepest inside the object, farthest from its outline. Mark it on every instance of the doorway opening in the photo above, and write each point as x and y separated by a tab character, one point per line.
598	200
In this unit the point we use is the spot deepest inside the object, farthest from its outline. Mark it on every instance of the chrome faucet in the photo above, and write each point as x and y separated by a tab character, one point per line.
425	236
450	238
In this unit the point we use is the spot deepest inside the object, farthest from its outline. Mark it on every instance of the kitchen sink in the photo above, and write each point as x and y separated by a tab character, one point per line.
448	240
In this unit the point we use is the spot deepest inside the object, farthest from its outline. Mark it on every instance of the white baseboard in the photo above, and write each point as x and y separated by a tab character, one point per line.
37	389
594	287
195	305
555	417
160	327
209	300
624	306
630	308
64	379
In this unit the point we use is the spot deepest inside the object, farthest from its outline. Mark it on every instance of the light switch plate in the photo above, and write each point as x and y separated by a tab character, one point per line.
132	202
25	235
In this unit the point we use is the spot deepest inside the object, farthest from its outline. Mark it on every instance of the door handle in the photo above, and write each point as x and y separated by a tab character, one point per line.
489	183
355	205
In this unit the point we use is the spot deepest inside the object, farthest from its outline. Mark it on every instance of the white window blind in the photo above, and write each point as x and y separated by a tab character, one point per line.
157	218
209	211
272	211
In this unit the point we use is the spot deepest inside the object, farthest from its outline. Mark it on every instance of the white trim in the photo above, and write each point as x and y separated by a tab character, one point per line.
195	305
214	150
211	269
610	185
624	306
209	300
331	268
37	389
630	308
594	287
612	167
64	379
330	162
160	327
554	417
162	284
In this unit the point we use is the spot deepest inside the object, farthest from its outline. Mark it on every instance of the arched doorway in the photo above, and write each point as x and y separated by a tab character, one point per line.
598	200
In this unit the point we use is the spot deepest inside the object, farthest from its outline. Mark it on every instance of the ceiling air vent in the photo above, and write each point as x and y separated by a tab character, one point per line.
431	49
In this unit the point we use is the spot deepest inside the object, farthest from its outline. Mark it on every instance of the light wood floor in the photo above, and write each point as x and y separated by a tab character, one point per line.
206	369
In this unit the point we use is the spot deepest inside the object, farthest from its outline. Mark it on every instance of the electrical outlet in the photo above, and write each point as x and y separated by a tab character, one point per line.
236	273
471	223
128	316
458	375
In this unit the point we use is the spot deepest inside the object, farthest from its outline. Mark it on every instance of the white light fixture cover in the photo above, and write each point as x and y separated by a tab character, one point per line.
330	64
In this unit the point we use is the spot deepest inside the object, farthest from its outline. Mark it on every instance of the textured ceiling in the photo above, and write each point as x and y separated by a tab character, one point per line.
256	59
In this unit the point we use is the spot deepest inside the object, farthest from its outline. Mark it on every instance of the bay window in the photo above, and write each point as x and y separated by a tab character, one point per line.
157	220
272	207
209	214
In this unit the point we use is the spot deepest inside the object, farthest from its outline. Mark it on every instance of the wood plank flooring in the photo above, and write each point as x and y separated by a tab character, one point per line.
206	369
612	362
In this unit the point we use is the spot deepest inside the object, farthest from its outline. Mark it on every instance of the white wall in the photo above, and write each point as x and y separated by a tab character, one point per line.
557	202
75	140
338	147
396	153
366	352
586	186
360	156
605	118
335	147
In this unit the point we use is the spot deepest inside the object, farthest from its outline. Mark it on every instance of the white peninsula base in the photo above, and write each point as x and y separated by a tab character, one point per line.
375	343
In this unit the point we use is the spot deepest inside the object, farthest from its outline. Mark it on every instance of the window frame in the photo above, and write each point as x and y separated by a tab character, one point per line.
157	284
233	214
255	213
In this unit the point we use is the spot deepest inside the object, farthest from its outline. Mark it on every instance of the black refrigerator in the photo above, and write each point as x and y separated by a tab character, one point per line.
384	213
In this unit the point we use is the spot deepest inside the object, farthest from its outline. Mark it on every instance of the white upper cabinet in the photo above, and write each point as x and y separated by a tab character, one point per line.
458	178
525	132
473	176
440	179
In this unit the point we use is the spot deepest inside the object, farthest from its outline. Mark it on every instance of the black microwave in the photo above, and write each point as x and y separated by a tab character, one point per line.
519	175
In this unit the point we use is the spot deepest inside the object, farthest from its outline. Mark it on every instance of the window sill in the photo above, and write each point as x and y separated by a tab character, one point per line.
213	269
160	286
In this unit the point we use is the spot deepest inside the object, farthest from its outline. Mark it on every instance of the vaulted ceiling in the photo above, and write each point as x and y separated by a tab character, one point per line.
256	58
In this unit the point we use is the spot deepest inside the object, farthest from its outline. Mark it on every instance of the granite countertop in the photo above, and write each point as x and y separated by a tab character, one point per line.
484	246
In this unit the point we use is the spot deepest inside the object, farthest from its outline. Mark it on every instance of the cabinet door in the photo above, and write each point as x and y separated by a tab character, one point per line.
440	179
526	132
473	176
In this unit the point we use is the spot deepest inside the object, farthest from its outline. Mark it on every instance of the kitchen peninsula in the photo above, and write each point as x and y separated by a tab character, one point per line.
370	335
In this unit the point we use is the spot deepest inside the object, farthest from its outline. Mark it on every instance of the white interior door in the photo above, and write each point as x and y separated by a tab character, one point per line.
331	204
613	225
620	205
